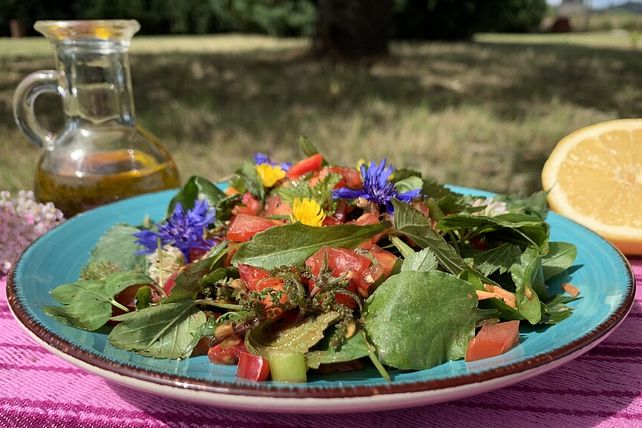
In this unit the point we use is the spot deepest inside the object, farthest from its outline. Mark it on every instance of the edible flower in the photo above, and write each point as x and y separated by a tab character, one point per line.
262	158
307	211
269	174
183	230
377	187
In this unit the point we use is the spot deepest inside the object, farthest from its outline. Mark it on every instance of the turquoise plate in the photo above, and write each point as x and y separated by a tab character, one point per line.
601	272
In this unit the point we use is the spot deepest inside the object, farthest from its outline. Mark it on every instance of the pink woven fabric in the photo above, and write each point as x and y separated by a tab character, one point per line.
602	388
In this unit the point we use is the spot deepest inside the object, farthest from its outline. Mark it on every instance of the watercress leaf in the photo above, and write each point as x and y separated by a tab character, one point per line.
88	304
409	183
163	331
307	147
248	180
356	347
143	297
413	224
292	244
433	189
196	188
560	257
421	261
404	173
418	320
498	259
534	204
189	280
298	338
116	249
527	276
557	309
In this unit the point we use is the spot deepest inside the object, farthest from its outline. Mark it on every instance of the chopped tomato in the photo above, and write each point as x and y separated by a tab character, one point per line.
257	279
252	367
340	261
251	276
170	283
231	191
331	221
274	206
350	177
245	226
378	272
493	340
366	219
249	205
227	352
310	164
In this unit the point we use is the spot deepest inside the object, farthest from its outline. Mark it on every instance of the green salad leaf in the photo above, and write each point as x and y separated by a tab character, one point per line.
116	251
498	259
355	348
560	257
196	188
292	244
87	304
298	338
418	320
163	331
529	282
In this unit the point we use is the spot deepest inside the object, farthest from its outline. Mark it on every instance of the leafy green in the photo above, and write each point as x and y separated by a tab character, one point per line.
163	331
115	251
534	204
356	347
418	320
321	192
560	257
196	188
409	183
556	309
528	278
248	180
143	297
292	244
421	261
298	338
189	280
307	147
433	189
416	226
88	304
498	259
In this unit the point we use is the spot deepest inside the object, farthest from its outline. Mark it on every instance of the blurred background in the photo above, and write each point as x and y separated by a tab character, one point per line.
474	93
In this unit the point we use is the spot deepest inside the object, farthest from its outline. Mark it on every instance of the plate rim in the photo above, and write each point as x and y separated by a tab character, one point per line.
120	368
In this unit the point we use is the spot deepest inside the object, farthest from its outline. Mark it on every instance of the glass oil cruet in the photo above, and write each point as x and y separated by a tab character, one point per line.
101	154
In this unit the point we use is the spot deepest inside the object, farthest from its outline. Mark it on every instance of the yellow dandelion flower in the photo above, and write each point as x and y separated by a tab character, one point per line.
307	211
270	174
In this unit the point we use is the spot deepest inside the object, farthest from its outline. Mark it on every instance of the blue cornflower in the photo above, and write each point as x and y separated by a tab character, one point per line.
262	158
181	230
377	187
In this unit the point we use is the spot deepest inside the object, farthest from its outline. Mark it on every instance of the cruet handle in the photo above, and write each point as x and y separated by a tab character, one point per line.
24	100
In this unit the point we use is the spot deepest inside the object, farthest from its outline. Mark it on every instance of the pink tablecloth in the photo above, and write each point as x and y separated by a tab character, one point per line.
601	388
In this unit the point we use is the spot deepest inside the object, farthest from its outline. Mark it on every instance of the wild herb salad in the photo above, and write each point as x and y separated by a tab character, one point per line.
288	268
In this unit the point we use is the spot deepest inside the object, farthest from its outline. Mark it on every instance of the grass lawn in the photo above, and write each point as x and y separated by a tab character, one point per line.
483	114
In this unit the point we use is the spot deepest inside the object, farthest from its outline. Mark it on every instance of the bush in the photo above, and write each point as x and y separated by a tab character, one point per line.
447	19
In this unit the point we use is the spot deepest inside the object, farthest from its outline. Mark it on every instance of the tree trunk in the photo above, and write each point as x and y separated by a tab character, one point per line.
353	28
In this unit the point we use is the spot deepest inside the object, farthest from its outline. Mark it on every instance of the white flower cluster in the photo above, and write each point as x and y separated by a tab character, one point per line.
22	220
492	208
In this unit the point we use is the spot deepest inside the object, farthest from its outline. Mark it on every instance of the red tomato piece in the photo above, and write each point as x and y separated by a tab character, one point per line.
385	259
351	177
310	164
252	367
170	283
366	219
227	352
493	340
340	261
249	205
251	276
245	226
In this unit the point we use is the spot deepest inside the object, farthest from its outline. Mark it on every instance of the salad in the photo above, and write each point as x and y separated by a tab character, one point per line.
289	268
